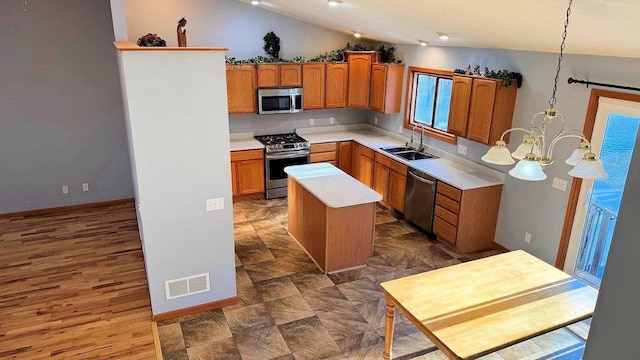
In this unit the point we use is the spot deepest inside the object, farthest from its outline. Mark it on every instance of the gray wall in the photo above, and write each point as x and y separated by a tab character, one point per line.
61	118
533	207
614	328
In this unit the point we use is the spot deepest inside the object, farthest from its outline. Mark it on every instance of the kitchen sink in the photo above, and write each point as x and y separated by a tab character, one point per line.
413	155
407	153
397	149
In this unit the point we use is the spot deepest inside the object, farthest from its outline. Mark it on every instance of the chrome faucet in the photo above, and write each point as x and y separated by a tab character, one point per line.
412	131
421	147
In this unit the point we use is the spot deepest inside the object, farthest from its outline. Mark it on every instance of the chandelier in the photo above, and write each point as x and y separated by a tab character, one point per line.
536	151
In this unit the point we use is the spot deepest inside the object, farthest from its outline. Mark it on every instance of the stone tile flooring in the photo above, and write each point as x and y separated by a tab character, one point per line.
288	309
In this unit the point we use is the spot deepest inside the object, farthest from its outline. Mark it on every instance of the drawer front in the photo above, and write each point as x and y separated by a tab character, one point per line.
447	203
381	159
315	148
398	167
366	151
247	155
449	191
444	230
446	215
321	157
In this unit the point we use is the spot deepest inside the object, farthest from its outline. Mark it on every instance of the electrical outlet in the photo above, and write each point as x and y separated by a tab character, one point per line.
65	189
85	187
559	184
215	204
375	120
400	129
311	121
527	238
332	120
462	149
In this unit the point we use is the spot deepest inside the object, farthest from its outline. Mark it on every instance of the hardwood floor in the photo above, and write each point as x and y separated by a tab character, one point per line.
73	286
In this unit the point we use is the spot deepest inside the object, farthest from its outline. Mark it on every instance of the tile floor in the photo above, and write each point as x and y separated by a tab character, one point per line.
288	309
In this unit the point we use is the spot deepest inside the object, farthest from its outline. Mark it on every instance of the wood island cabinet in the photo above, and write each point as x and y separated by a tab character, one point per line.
389	180
362	164
386	87
247	172
241	89
459	108
313	84
490	110
359	78
466	219
337	85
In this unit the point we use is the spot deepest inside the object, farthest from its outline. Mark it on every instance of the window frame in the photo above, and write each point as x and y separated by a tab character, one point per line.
408	122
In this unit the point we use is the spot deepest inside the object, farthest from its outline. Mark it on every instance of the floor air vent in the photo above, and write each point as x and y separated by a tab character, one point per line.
186	286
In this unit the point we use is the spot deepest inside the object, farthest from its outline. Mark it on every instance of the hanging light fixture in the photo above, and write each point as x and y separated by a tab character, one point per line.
536	151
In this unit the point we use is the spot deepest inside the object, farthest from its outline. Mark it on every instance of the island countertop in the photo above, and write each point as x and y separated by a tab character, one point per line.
332	186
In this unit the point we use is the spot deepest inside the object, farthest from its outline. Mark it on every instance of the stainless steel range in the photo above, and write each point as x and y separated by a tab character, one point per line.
281	150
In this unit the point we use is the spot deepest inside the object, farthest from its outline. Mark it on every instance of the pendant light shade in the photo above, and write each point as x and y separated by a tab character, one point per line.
528	169
588	168
578	154
526	147
498	155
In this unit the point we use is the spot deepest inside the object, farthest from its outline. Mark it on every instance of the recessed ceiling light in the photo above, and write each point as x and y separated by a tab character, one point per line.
334	3
422	43
357	35
255	2
443	36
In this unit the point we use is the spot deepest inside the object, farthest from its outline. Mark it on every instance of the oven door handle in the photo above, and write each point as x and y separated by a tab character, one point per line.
288	155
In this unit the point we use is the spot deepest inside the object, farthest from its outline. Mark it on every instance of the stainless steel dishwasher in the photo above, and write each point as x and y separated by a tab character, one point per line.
420	199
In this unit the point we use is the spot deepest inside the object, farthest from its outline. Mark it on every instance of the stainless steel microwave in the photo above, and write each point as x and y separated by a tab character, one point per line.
279	101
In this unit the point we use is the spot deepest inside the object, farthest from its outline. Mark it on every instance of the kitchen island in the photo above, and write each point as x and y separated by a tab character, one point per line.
331	215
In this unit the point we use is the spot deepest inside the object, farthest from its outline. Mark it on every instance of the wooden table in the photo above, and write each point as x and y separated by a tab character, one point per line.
472	309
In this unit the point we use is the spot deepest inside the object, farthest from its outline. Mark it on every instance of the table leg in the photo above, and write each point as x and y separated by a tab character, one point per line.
388	330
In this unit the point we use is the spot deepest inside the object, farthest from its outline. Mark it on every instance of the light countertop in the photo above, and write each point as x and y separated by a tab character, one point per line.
332	186
455	171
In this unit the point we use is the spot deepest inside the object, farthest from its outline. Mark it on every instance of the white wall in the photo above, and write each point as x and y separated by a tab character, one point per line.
176	111
533	207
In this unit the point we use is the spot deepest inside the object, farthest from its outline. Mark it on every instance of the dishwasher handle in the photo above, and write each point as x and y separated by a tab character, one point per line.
421	179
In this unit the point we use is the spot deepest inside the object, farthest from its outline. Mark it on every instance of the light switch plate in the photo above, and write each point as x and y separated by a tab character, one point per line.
215	204
375	121
559	184
462	149
311	121
332	120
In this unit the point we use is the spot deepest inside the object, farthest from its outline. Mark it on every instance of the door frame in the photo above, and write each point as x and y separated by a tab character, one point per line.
576	184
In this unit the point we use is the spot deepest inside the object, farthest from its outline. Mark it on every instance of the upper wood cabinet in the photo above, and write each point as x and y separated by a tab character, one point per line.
359	78
313	83
337	82
290	75
459	108
268	75
386	87
279	75
490	110
241	89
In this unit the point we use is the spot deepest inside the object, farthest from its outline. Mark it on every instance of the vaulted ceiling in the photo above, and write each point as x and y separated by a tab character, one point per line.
597	27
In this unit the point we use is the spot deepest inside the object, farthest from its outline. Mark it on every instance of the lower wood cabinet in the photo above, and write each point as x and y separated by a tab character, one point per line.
345	156
389	179
247	172
466	219
362	164
324	152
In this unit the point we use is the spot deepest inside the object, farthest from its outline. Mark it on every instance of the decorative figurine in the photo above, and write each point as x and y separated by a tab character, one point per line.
182	32
476	70
469	70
